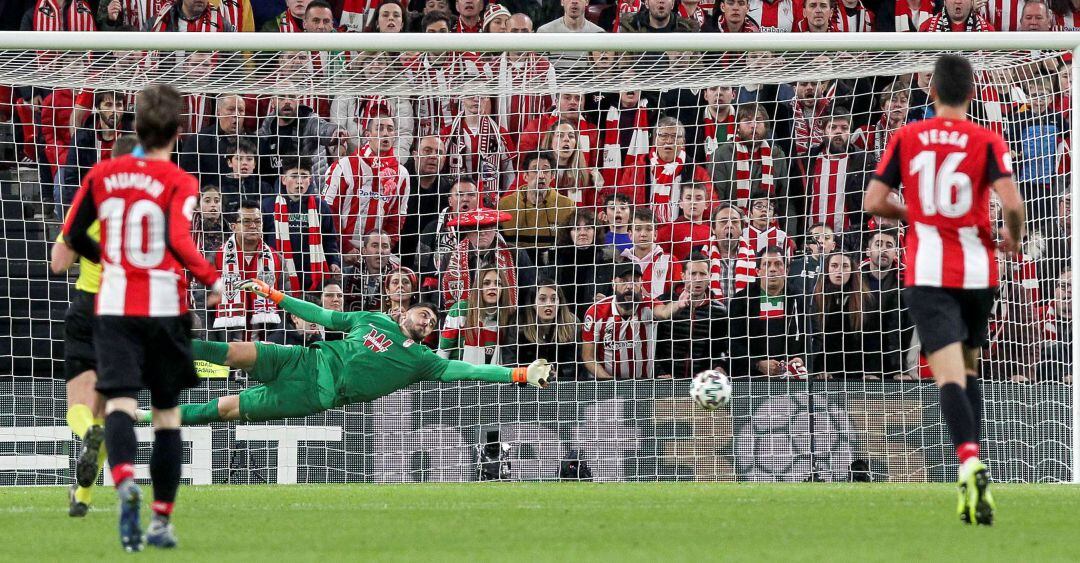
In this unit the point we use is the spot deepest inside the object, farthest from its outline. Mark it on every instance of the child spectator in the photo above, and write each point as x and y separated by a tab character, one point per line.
808	267
659	272
836	336
762	230
691	231
695	339
546	329
767	326
207	224
303	228
616	219
477	327
241	182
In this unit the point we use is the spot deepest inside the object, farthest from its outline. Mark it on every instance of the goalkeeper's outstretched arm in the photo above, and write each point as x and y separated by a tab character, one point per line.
537	374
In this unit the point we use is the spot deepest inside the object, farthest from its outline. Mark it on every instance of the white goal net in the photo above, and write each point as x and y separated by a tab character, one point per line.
542	200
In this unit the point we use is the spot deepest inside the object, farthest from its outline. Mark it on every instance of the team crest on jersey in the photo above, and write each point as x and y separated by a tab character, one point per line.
377	342
47	10
588	322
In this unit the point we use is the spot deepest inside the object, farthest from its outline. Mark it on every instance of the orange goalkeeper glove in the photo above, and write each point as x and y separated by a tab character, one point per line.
262	289
537	374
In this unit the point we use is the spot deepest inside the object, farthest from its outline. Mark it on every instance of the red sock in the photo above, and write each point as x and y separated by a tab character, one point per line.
967	450
122	472
161	507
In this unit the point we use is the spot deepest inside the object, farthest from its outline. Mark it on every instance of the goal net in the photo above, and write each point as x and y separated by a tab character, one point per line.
556	204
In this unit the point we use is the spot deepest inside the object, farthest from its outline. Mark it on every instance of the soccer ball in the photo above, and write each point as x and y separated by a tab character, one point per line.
710	389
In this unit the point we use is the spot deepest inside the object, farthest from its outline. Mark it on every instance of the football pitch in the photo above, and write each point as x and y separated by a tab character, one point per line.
559	522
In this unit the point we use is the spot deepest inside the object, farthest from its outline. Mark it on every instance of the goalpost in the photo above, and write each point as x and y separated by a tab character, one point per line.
603	105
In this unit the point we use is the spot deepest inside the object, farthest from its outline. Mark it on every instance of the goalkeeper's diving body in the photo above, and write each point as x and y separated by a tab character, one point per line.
377	357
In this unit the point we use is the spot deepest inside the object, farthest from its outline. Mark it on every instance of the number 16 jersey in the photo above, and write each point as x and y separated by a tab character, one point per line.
145	209
945	168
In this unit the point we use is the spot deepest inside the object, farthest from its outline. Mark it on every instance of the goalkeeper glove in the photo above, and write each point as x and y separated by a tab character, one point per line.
537	374
262	289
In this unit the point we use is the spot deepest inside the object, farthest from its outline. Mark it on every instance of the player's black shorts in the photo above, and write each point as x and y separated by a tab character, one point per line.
947	315
152	353
79	355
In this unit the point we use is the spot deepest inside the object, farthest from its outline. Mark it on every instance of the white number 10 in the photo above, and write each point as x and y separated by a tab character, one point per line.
943	190
130	241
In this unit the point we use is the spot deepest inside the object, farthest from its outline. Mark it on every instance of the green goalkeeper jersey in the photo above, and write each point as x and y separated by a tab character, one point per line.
375	358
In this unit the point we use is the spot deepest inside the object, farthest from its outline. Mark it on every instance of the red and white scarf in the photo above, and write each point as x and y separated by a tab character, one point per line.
728	276
385	170
828	185
666	189
457	278
210	20
58	15
630	170
852	20
744	163
369	107
283	241
698	15
942	23
710	126
517	107
907	19
803	26
288	24
483	153
875	137
1049	323
748	26
1067	22
810	129
233	310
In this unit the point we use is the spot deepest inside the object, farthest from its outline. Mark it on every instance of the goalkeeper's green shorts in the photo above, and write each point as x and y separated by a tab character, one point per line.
289	377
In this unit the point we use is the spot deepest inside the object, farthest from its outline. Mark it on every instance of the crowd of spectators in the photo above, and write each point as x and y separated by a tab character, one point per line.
630	234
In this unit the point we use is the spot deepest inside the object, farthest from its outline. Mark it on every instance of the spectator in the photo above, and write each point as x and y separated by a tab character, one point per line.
91	144
957	15
668	171
1008	15
1055	325
886	327
478	326
574	178
657	16
431	190
852	16
496	19
296	130
616	217
390	17
573	20
691	230
568	106
732	16
659	272
289	21
840	301
578	259
399	291
627	123
242	315
910	15
618	335
1057	240
1066	15
762	230
426	7
546	329
536	208
60	15
732	264
874	137
437	239
818	17
1034	135
766	324
318	17
534	12
478	147
519	22
1013	343
298	333
810	110
479	244
369	189
749	162
808	267
691	10
354	115
303	229
780	15
517	73
117	15
695	339
716	122
469	15
363	276
241	182
189	16
332	296
837	176
207	223
432	71
205	154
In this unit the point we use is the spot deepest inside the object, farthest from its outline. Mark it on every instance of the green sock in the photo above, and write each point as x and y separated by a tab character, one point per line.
200	414
213	352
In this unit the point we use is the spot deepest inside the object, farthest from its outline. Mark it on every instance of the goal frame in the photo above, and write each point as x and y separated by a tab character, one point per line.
420	42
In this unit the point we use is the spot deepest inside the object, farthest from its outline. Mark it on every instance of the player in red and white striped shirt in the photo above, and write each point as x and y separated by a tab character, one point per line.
618	336
145	206
948	167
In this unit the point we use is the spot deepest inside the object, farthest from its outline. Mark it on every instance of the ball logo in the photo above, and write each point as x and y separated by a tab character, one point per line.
588	325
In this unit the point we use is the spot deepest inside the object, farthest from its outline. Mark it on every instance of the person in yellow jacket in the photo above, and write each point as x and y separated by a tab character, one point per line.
536	209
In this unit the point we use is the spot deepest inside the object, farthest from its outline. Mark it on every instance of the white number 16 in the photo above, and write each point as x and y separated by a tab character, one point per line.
942	190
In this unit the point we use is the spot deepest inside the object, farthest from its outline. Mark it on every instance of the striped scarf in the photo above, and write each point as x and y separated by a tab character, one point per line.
357	14
852	20
211	19
748	26
907	19
665	191
481	153
771	307
61	15
283	240
941	23
457	278
628	170
728	276
233	309
288	24
810	129
698	15
744	163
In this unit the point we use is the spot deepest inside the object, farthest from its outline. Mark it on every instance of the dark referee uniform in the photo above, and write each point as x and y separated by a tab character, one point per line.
79	355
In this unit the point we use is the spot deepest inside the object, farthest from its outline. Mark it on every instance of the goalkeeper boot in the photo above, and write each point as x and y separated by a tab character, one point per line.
86	469
76	509
161	533
131	537
980	503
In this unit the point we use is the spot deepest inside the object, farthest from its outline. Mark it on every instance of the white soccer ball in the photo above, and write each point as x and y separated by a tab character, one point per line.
711	389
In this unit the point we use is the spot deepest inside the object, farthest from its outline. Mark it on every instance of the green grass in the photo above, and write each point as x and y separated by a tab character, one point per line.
561	522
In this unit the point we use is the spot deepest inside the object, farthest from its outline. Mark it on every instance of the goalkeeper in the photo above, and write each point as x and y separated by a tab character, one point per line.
377	357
